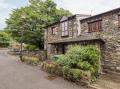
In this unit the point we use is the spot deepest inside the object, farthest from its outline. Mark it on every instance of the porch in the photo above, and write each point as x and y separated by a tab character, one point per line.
61	47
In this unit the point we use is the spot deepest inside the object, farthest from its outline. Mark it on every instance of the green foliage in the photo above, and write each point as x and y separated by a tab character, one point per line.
65	70
72	74
84	65
30	60
51	68
62	60
32	19
80	62
30	47
4	39
76	74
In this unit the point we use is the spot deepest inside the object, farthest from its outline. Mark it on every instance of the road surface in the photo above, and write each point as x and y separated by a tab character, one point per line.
17	75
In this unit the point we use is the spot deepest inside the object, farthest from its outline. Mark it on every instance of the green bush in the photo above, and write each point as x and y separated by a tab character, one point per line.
4	39
84	65
30	60
51	68
31	47
65	70
76	73
4	44
80	62
62	60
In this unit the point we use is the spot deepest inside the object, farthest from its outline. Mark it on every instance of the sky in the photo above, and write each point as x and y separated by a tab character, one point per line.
6	6
90	7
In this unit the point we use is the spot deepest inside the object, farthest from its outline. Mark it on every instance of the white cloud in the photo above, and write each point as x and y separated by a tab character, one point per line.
5	9
6	6
88	6
2	22
75	6
1	1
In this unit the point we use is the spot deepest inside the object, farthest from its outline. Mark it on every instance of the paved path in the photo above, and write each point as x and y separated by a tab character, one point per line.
16	75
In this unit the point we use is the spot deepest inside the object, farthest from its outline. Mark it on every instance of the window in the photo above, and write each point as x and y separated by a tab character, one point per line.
95	26
64	26
119	21
54	30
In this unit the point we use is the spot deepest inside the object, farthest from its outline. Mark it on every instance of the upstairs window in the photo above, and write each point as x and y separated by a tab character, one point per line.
54	30
95	26
119	21
64	26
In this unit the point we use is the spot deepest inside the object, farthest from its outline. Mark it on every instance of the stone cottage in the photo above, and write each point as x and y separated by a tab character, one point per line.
102	30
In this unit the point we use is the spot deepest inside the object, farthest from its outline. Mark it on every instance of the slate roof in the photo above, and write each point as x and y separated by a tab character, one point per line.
78	39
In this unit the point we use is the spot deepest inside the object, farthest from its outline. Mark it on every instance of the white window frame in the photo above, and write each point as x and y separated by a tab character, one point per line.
54	30
64	26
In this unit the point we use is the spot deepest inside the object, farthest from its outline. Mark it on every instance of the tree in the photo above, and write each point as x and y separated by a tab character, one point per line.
37	15
4	39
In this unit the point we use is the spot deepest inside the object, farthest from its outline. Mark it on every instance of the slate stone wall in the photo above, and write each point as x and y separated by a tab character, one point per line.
111	35
49	37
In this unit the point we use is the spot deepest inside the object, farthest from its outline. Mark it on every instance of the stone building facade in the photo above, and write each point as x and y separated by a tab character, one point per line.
102	30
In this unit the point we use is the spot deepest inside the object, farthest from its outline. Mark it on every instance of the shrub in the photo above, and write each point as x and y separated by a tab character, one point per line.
30	60
51	68
65	71
80	62
4	44
55	57
84	65
62	60
76	74
4	39
31	47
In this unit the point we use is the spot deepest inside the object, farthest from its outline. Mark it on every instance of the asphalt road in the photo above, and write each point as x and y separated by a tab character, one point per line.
17	75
